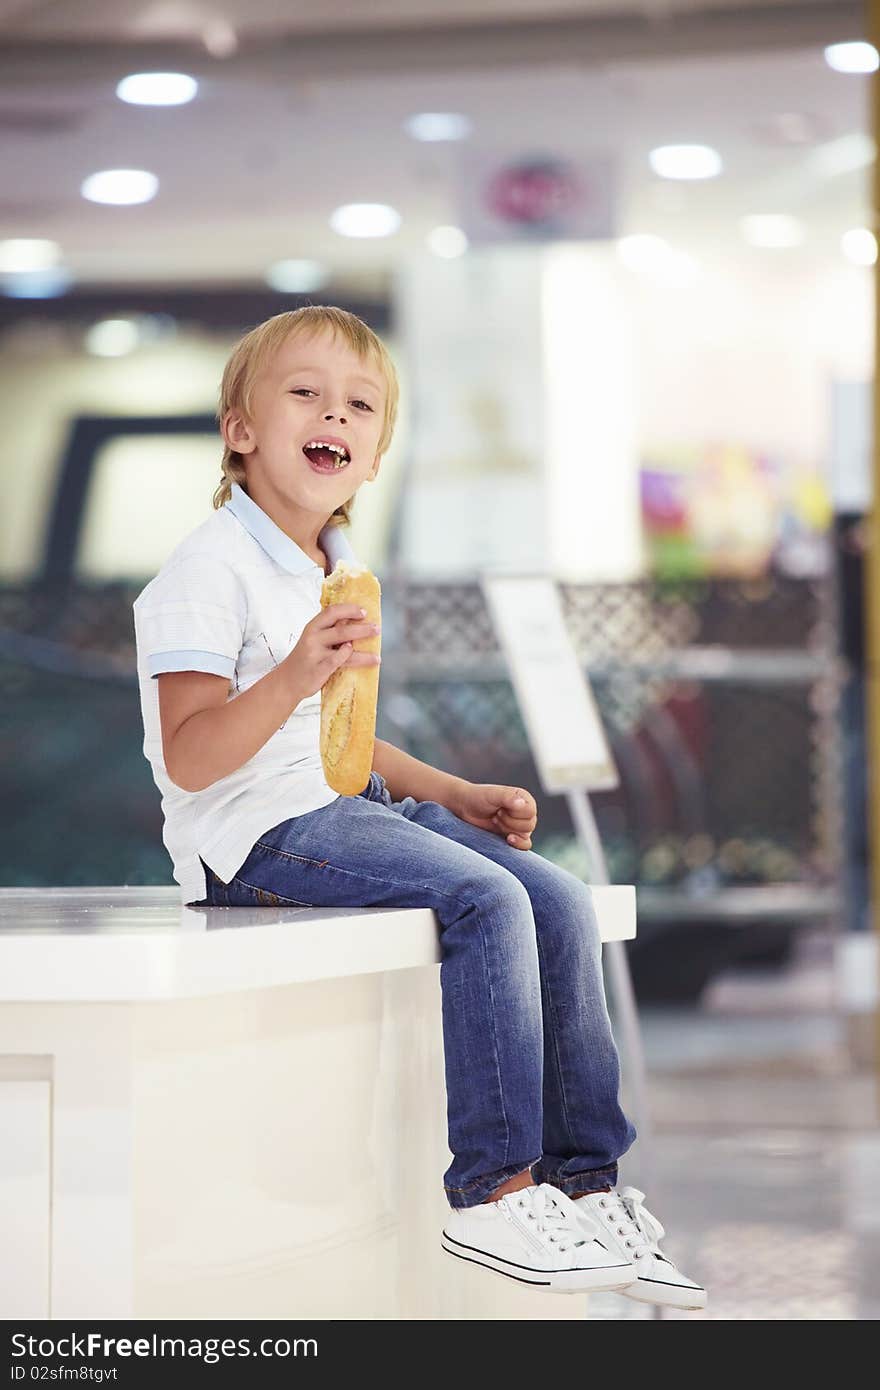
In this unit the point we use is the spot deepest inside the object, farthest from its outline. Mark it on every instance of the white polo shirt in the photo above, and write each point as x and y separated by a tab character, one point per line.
233	599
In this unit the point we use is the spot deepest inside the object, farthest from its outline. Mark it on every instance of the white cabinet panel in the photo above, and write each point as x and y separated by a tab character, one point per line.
24	1198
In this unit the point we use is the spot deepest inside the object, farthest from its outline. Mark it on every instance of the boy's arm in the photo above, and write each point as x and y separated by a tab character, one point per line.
406	776
217	739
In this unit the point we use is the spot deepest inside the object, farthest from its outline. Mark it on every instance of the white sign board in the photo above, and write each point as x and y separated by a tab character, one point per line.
554	696
851	440
471	336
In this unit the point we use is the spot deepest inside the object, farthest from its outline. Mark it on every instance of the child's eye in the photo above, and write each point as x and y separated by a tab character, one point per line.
306	391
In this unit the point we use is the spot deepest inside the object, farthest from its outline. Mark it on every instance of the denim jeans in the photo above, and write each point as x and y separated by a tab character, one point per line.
532	1071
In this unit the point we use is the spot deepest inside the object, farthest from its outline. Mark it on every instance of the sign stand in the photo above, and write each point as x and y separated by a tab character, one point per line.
621	984
571	754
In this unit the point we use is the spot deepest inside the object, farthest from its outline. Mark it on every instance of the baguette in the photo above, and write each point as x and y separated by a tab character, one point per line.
350	695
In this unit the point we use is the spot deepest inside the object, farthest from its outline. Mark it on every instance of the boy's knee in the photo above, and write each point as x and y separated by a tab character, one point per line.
571	887
505	890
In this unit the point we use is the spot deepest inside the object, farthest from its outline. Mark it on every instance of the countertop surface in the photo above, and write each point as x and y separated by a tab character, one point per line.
128	944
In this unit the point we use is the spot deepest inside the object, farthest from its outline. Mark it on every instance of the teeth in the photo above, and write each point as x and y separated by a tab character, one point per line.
320	444
333	448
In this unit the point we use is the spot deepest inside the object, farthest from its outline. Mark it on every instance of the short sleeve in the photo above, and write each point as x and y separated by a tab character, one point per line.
192	617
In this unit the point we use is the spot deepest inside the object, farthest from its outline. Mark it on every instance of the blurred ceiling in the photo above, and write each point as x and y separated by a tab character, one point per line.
180	19
301	106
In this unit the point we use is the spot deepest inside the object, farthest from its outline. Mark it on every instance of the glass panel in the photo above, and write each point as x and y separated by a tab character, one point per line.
146	493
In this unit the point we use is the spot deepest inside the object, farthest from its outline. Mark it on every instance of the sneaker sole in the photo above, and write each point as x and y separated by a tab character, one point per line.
559	1281
666	1295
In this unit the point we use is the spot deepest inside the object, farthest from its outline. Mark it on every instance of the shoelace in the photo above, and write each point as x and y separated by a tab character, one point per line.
640	1229
542	1206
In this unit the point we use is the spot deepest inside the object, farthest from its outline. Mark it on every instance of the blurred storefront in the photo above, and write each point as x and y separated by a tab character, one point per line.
657	387
635	393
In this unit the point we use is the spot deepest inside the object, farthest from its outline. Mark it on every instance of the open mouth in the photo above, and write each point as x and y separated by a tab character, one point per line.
327	458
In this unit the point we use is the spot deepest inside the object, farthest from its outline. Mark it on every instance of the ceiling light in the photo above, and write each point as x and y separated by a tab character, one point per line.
447	242
859	245
120	186
685	161
297	277
25	254
365	219
156	328
438	125
852	57
220	38
776	230
157	88
112	338
36	284
844	155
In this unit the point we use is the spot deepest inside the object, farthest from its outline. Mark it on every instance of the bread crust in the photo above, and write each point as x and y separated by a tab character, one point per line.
350	696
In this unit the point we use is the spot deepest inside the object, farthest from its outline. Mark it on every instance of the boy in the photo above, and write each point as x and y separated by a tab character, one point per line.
233	649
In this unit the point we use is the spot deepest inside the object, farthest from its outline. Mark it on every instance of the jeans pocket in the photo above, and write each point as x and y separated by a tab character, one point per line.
375	789
242	894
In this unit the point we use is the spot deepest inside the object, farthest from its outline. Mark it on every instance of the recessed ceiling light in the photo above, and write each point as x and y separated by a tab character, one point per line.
157	88
365	219
156	328
844	155
297	277
112	338
120	186
36	284
220	38
859	245
852	57
772	230
685	161
438	125
28	254
448	242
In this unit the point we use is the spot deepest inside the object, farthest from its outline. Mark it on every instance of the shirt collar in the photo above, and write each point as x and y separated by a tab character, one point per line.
282	549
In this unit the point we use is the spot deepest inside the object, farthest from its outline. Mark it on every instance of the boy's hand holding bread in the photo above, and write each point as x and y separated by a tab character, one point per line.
326	644
338	654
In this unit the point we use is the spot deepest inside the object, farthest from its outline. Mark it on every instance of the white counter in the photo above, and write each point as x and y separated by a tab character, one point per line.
229	1112
137	943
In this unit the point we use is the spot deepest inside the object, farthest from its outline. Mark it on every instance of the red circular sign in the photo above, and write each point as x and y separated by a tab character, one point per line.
532	193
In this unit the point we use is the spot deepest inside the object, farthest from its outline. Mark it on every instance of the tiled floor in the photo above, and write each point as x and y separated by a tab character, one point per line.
766	1151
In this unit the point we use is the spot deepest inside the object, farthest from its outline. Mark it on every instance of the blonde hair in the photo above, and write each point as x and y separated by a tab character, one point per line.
251	355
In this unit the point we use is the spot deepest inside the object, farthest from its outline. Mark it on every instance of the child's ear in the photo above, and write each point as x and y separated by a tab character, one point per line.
237	433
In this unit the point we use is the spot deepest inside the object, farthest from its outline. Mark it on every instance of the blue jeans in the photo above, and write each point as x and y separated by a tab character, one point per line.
532	1071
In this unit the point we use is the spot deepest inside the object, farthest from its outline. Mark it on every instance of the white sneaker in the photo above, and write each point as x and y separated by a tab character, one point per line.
633	1233
535	1236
